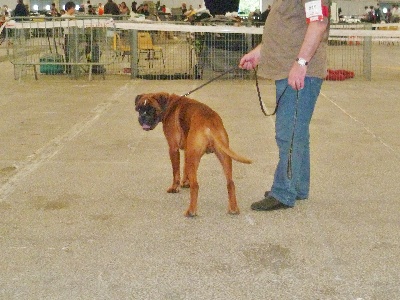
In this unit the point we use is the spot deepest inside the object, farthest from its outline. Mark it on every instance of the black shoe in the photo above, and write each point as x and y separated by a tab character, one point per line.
267	204
297	198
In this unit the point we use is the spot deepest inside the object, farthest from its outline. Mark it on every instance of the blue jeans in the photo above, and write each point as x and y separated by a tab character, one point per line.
292	175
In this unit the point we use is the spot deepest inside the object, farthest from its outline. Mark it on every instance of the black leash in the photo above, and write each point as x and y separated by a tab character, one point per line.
262	105
211	80
289	167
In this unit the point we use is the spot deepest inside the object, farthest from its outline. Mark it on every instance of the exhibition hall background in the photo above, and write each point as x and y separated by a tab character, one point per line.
349	7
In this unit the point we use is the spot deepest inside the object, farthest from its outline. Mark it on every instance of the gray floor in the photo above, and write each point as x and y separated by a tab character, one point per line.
84	213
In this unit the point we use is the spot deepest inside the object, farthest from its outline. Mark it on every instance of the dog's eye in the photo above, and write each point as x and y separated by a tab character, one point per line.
143	110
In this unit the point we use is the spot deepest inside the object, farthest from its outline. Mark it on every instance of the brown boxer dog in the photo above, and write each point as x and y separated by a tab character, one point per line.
195	128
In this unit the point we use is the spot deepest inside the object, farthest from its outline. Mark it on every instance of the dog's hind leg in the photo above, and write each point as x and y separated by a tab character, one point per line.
196	145
226	163
192	164
185	179
175	161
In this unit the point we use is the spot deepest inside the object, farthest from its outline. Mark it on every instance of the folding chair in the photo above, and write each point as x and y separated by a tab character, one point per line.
121	46
146	46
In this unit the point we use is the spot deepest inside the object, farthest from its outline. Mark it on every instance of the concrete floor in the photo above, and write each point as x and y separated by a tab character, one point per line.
84	212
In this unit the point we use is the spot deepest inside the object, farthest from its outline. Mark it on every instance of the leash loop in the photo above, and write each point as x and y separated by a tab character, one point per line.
262	105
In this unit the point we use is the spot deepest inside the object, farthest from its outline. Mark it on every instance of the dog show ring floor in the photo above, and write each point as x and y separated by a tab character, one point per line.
84	212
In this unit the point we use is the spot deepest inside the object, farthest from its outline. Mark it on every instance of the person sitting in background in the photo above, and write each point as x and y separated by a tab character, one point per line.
189	11
143	9
69	10
366	14
91	10
371	16
100	9
3	10
123	9
183	8
395	14
86	7
53	10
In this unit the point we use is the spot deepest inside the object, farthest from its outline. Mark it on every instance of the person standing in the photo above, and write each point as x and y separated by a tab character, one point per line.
20	10
293	54
378	14
134	7
68	38
111	8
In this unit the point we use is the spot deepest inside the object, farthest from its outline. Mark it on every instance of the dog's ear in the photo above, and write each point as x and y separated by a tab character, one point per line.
162	99
137	100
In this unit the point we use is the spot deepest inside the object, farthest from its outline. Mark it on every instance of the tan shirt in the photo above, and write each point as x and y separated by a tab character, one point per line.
283	36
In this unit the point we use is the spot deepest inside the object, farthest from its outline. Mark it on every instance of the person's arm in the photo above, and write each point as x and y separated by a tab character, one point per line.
312	39
250	60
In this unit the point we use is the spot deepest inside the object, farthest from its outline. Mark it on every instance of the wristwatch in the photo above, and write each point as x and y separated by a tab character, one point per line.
301	61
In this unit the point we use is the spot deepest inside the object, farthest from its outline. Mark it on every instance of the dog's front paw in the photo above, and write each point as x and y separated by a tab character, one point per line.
173	190
234	211
190	214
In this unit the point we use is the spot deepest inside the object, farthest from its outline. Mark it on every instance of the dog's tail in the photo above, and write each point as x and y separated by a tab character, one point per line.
221	146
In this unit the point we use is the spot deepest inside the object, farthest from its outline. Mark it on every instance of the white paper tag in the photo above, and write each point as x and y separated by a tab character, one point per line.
314	11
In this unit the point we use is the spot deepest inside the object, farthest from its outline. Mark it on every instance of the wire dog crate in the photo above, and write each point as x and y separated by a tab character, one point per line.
60	46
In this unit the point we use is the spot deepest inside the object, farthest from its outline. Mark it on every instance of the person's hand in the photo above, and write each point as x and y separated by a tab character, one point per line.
250	60
297	75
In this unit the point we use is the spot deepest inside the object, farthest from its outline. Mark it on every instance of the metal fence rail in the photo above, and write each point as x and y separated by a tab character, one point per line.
60	46
163	50
351	48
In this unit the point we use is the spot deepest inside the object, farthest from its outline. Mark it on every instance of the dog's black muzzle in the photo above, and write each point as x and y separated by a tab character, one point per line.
148	118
